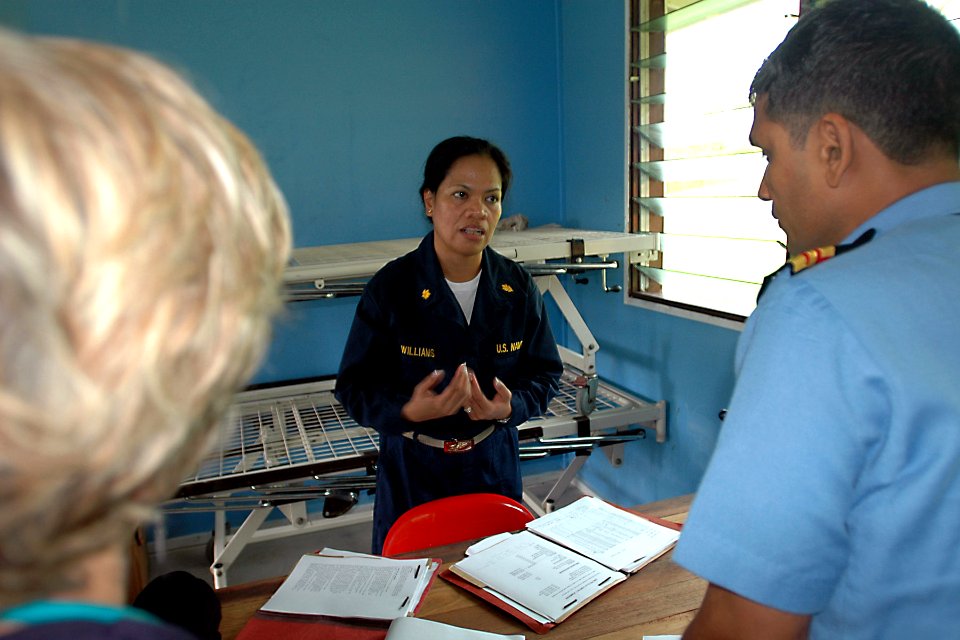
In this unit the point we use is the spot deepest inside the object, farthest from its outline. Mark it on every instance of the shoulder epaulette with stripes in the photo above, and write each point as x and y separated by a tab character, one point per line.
811	257
807	259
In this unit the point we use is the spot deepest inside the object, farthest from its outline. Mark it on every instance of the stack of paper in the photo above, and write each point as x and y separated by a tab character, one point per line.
344	585
546	581
612	536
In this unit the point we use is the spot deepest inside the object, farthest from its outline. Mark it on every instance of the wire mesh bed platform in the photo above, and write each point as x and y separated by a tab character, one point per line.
284	445
299	432
282	433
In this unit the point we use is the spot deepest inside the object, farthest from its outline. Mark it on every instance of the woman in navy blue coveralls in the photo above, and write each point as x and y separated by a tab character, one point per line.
450	348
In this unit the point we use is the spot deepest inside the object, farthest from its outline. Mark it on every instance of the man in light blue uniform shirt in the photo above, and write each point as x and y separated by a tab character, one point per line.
831	506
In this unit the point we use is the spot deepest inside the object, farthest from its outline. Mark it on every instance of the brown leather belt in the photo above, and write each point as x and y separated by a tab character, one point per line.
451	446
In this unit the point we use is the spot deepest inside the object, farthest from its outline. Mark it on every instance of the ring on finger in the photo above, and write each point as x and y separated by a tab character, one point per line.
467	409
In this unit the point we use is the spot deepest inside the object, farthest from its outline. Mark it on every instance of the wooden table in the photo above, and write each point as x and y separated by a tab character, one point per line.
659	599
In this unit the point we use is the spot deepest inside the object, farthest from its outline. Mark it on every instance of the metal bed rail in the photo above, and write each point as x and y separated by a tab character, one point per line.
300	432
284	445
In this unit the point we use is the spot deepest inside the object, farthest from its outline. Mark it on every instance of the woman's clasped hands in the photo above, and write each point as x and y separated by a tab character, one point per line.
462	394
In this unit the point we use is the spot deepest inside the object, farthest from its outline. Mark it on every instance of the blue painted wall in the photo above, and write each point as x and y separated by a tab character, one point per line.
346	99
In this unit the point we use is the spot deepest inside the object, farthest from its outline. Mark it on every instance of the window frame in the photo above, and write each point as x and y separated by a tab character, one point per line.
640	85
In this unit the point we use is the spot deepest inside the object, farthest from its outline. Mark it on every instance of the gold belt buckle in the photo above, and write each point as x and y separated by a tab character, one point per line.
457	446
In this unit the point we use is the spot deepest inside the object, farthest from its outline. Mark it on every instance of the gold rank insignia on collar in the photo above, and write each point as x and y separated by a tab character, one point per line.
425	294
506	288
811	257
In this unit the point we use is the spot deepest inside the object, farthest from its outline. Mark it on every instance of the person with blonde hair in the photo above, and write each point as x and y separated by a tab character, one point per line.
142	241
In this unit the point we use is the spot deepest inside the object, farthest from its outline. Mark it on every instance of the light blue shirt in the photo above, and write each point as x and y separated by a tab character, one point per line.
834	489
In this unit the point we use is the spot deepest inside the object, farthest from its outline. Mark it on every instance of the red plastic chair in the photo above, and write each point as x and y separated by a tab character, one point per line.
454	519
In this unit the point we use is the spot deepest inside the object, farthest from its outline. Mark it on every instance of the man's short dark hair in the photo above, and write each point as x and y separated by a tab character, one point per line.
892	67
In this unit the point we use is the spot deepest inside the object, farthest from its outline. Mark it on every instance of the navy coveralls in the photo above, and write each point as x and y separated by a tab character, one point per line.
407	324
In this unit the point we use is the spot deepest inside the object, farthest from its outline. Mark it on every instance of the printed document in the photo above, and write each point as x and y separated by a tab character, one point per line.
549	579
613	537
353	587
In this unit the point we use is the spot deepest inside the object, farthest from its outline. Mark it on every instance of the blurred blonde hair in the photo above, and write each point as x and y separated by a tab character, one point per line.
142	240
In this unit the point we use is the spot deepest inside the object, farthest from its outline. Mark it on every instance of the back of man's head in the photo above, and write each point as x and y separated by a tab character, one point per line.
890	66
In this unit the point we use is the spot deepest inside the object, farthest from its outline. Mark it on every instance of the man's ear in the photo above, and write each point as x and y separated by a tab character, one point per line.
834	139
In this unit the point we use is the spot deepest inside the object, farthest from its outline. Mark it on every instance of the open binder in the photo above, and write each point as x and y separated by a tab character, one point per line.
563	560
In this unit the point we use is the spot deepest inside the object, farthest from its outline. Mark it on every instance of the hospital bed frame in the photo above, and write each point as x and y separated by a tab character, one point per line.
288	443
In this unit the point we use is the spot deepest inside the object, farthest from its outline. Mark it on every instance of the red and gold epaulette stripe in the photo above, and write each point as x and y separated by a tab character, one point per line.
811	257
815	256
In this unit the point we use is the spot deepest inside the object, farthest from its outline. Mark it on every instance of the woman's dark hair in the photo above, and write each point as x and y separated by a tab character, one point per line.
452	149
